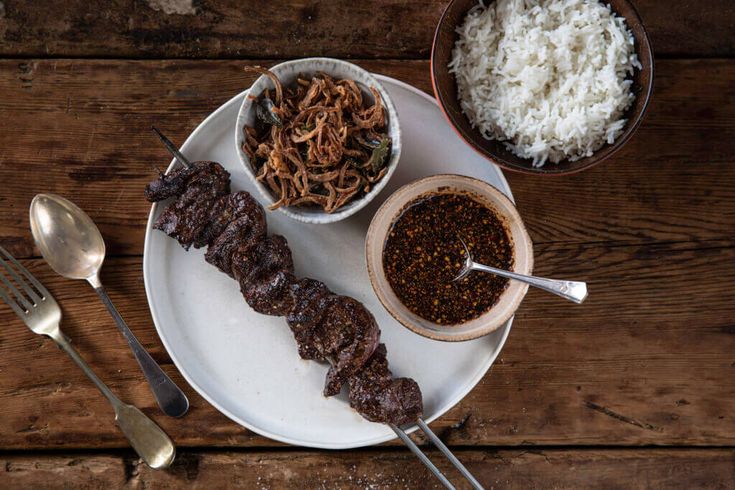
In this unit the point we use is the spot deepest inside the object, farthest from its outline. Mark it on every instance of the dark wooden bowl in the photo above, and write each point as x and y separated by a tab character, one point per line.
445	89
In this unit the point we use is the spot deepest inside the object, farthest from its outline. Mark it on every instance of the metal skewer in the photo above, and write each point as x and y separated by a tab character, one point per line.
424	459
442	447
172	148
399	432
451	457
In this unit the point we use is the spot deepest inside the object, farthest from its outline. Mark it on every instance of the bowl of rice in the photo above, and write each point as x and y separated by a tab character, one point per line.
544	86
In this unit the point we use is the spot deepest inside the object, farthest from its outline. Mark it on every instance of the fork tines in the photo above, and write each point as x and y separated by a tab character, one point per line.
14	283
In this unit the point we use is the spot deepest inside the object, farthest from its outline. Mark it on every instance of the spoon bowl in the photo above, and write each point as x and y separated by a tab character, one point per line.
67	237
468	263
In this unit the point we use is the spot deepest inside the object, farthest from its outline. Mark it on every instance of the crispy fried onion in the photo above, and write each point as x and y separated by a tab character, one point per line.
323	143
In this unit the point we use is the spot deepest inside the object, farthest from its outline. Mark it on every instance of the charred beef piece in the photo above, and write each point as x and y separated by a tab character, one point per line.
347	335
270	294
225	210
380	398
198	188
207	177
309	303
269	254
265	273
242	233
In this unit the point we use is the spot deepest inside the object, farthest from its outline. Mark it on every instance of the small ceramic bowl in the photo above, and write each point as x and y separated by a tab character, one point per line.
287	73
509	300
445	89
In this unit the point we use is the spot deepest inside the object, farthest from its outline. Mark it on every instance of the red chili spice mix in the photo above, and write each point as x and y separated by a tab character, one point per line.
423	254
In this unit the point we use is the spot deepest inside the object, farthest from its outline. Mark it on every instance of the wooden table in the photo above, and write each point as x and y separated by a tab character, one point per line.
636	388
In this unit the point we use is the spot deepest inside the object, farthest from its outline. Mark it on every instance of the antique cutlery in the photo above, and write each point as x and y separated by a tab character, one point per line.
32	302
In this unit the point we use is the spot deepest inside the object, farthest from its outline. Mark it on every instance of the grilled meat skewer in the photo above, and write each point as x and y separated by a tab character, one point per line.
326	326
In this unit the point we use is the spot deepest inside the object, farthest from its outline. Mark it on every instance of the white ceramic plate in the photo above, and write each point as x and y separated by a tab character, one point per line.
246	364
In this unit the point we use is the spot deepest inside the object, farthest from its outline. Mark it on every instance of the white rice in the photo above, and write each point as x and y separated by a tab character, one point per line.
548	77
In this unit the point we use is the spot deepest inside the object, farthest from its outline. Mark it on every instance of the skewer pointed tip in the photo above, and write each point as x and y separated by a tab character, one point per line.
171	148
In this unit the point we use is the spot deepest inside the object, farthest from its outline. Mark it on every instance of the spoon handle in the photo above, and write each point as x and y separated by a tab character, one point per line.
170	398
148	439
572	290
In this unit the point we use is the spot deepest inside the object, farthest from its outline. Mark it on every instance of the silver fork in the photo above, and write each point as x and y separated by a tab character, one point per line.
32	302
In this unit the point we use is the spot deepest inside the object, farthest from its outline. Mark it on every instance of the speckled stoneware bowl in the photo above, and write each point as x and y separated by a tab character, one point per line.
287	73
509	300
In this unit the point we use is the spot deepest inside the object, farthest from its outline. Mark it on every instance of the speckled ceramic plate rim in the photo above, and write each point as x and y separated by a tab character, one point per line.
181	366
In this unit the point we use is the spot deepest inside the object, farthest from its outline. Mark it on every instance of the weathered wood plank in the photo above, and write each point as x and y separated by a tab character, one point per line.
241	29
82	129
514	469
648	359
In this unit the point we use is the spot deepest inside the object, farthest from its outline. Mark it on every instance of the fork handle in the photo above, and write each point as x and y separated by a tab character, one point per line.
169	397
65	343
148	439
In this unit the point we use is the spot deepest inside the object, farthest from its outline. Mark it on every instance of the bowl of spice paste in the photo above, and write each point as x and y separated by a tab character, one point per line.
414	251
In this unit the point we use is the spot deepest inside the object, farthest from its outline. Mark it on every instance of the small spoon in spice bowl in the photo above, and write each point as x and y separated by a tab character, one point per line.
572	290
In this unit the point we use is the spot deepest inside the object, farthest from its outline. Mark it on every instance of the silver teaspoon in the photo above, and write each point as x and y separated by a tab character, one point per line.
73	246
572	290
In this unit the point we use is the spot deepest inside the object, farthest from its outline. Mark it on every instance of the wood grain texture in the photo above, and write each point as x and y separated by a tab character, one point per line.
514	469
296	28
82	129
647	360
